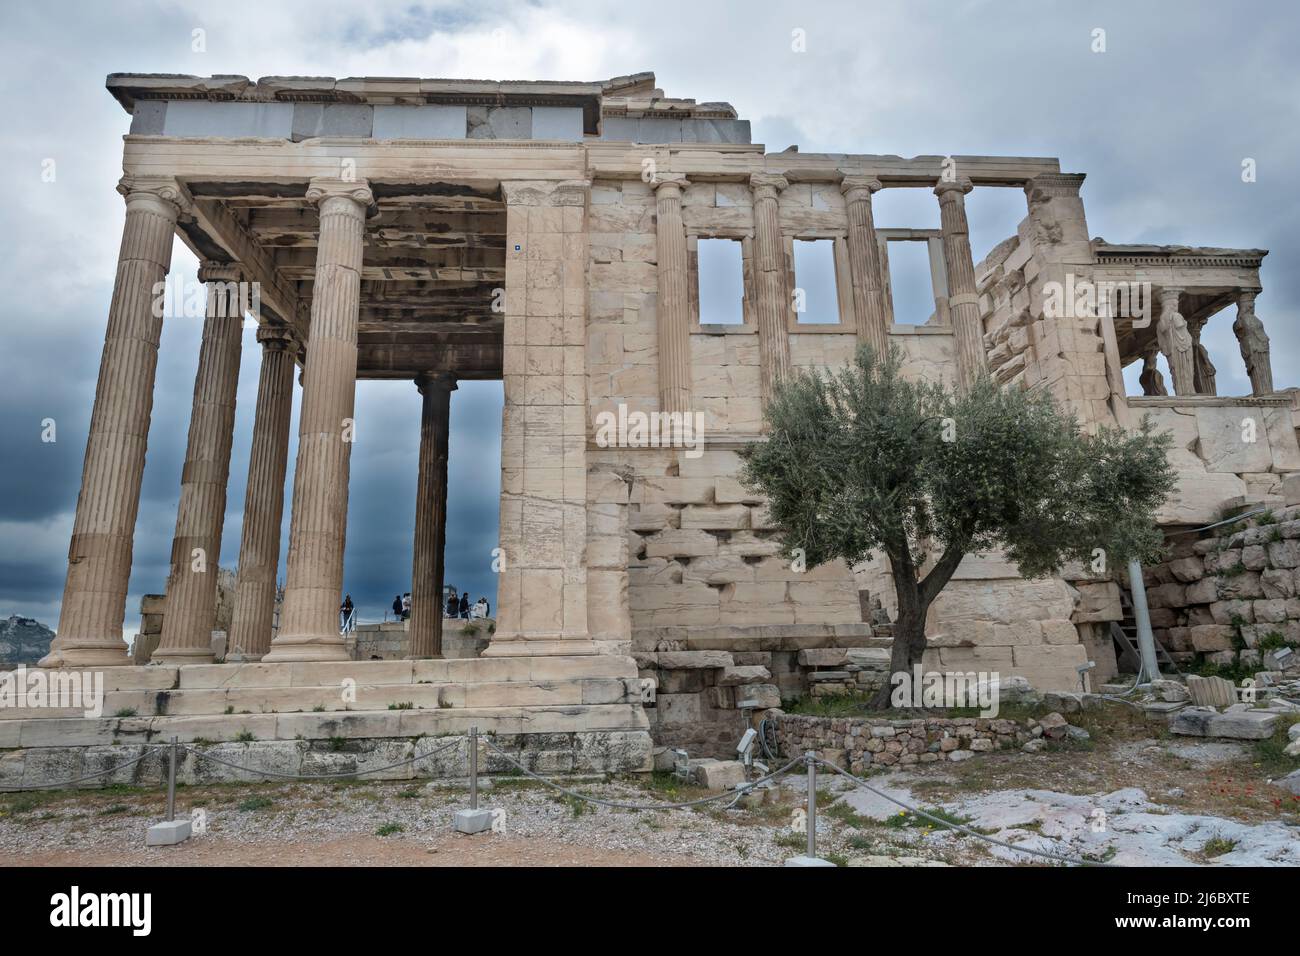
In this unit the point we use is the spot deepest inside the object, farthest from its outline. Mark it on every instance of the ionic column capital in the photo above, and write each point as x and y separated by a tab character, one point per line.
767	185
276	338
439	381
945	188
853	186
322	189
673	181
163	190
210	270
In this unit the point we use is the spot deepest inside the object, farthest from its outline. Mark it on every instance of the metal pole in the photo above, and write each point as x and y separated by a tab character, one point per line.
812	805
1142	617
171	782
473	768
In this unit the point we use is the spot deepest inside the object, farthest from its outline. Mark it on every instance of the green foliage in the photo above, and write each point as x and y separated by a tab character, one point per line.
857	461
388	829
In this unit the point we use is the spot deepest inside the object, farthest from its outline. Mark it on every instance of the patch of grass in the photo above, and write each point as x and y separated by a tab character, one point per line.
230	709
404	705
338	743
113	810
835	705
318	709
843	813
408	794
1270	752
1217	846
576	807
254	803
124	712
839	859
1271	641
790	840
244	736
388	829
906	820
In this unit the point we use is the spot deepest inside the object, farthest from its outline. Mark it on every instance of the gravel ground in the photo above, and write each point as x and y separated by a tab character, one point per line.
1017	796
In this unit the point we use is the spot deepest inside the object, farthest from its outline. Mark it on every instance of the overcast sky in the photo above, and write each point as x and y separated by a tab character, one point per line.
1161	122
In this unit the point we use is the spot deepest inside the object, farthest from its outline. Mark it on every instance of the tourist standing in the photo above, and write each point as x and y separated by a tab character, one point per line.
464	606
397	607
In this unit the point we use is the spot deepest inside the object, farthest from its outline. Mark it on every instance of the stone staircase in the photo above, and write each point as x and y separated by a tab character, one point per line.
557	704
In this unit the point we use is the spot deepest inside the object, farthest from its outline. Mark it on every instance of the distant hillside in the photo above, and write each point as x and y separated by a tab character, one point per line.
23	640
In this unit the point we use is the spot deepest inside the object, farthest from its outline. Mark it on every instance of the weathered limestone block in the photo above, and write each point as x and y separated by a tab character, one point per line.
1212	637
1237	725
671	660
753	674
1211	691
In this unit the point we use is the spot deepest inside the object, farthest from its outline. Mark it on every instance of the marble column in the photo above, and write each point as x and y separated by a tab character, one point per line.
425	632
1253	341
963	302
673	305
864	263
1176	342
309	617
259	547
191	607
774	305
99	555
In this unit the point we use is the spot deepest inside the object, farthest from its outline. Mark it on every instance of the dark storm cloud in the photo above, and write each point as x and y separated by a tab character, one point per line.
1160	122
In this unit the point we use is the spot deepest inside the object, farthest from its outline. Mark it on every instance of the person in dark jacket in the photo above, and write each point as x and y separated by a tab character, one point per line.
464	606
397	608
452	607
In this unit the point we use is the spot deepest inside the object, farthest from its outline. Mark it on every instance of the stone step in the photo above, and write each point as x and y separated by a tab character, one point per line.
369	673
107	731
340	697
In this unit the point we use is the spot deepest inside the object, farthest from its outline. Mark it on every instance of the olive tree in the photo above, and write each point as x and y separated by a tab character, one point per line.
864	460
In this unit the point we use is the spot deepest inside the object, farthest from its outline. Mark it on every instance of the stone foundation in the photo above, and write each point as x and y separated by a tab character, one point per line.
855	744
1229	596
561	714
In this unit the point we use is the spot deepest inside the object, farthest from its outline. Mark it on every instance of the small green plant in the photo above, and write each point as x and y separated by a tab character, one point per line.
255	803
229	709
319	708
1271	641
244	736
409	794
338	743
1218	846
404	705
125	712
388	829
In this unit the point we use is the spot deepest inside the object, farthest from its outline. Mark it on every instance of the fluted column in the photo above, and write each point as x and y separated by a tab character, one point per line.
99	556
864	263
191	607
774	305
259	547
1253	341
673	306
309	621
963	302
1176	342
430	516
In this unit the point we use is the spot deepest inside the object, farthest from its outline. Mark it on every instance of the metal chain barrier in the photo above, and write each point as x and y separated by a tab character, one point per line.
734	796
319	776
90	776
1057	858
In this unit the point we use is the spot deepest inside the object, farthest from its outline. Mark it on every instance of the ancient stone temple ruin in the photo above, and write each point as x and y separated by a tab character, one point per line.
555	236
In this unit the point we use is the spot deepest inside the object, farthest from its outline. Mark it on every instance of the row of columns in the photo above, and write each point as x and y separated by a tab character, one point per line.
99	560
773	302
1189	362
